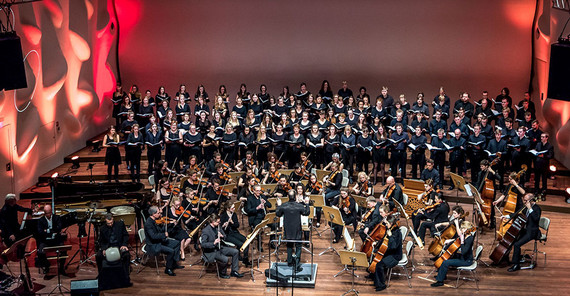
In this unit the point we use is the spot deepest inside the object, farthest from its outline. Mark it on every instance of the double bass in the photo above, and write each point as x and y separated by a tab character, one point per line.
487	190
448	253
510	204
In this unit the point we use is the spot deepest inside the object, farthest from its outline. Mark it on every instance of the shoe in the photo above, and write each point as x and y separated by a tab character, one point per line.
335	241
435	277
437	284
179	267
318	225
246	262
514	268
299	268
224	276
116	180
381	288
169	272
236	274
183	259
433	258
450	188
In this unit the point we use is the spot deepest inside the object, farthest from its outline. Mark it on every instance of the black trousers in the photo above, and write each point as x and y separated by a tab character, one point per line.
238	239
290	260
380	273
418	159
171	248
398	160
423	227
525	238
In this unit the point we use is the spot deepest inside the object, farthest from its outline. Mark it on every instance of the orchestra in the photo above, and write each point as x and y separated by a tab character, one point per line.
227	158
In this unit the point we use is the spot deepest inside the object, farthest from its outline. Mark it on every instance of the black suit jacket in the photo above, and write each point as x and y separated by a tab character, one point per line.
154	236
439	214
254	215
44	231
374	218
118	230
532	221
291	212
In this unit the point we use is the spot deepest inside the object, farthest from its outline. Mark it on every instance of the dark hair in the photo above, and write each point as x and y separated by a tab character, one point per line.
459	210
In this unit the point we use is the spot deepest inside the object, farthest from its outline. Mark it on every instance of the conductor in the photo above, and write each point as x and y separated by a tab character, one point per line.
291	212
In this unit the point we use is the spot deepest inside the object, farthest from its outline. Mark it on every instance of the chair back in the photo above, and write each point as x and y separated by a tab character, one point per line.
478	253
409	248
544	223
404	231
344	173
344	181
151	180
405	199
142	236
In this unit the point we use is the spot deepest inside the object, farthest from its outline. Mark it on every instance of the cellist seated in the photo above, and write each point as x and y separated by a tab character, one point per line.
463	257
392	255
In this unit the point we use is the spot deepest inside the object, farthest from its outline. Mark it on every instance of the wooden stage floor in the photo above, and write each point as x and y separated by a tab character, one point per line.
548	279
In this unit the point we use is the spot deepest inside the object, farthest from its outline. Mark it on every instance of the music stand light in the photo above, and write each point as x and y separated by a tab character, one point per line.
75	162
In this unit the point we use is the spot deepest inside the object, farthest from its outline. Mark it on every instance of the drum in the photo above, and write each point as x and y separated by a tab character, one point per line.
112	254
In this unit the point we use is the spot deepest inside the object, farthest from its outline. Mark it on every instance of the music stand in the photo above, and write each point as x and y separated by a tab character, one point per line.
244	246
318	202
333	216
350	245
477	212
355	259
58	250
458	182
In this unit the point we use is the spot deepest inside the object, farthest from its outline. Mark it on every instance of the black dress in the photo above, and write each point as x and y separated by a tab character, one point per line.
112	155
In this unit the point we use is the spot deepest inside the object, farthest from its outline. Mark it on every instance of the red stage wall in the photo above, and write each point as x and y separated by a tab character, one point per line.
410	46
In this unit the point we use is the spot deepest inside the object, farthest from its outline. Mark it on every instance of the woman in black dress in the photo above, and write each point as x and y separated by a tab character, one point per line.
174	227
153	142
112	155
173	139
229	144
210	143
117	100
133	152
379	153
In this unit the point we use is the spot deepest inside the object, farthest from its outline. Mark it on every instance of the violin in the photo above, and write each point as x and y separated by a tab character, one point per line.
164	220
226	166
286	187
225	177
345	203
316	187
173	190
182	212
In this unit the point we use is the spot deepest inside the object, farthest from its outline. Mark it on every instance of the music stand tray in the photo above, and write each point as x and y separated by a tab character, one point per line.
355	259
58	250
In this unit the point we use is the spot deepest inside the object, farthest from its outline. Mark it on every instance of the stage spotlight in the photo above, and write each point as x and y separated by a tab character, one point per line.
96	145
75	161
567	194
55	175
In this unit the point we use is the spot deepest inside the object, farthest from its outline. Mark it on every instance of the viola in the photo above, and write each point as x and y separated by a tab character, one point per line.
180	211
164	220
316	187
173	190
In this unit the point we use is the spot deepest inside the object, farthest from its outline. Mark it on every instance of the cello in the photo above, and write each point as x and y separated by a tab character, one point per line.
375	235
448	253
487	190
379	254
518	224
510	204
438	242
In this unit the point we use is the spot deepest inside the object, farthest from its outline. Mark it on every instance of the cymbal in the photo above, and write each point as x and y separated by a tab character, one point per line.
94	205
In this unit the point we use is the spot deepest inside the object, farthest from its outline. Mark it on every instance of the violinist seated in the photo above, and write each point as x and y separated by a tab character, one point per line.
211	165
214	250
392	256
50	234
222	175
193	183
363	187
315	187
332	182
9	225
176	225
230	225
215	196
283	187
272	175
306	165
113	234
347	206
242	180
271	160
431	173
248	161
376	213
462	257
531	230
485	173
433	214
158	242
163	193
514	187
247	190
392	192
297	175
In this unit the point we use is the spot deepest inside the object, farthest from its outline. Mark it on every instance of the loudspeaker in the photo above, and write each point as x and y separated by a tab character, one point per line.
12	70
559	73
84	288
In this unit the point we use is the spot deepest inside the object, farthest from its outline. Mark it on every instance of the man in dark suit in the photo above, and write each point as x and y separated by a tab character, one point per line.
392	192
461	258
50	233
532	211
9	226
113	234
291	212
541	163
213	248
157	241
